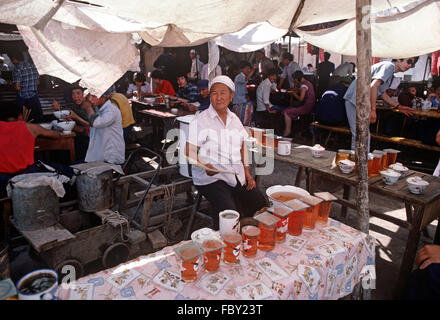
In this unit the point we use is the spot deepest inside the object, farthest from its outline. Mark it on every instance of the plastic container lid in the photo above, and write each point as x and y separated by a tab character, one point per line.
212	244
296	205
311	200
188	251
267	219
281	211
326	196
391	151
379	152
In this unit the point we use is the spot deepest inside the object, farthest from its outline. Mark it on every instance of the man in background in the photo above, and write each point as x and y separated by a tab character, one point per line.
26	80
166	62
324	70
196	66
345	69
289	68
264	64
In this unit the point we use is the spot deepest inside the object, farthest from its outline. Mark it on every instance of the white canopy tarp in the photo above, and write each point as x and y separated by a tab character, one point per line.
93	42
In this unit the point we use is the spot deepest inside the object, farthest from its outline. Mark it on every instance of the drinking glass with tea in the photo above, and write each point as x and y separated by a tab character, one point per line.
281	212
231	251
325	206
212	254
342	155
189	260
267	223
250	236
296	216
312	211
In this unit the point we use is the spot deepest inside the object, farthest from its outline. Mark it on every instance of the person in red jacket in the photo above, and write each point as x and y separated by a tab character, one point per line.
162	86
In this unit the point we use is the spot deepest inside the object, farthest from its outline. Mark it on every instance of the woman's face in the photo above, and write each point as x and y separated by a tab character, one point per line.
221	96
412	91
156	81
139	84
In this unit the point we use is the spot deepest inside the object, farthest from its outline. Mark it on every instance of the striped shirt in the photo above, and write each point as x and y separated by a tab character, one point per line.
27	75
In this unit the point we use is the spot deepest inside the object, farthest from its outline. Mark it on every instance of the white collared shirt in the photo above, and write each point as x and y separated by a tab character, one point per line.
263	94
220	145
106	136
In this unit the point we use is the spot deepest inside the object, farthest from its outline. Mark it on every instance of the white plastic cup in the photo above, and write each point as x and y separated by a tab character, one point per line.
284	148
229	221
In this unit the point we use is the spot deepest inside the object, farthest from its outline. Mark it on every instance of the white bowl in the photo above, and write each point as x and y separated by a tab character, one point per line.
389	176
203	234
174	110
150	100
346	166
61	114
417	185
47	126
317	151
400	169
279	188
67	126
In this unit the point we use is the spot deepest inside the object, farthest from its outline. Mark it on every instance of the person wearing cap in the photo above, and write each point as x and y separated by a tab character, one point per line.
163	86
196	65
289	67
242	105
264	64
203	98
106	134
186	92
217	142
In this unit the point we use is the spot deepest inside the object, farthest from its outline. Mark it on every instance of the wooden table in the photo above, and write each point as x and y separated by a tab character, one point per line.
160	118
65	142
421	210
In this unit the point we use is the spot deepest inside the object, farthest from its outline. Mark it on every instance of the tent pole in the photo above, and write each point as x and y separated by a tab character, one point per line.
363	61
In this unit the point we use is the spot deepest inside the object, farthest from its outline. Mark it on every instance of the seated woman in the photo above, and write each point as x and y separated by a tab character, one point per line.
306	96
139	87
217	141
434	97
17	144
162	86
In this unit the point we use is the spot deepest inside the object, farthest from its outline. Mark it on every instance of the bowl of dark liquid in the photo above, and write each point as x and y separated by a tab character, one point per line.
38	285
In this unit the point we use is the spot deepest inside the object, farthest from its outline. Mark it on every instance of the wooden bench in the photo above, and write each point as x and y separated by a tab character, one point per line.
46	98
397	140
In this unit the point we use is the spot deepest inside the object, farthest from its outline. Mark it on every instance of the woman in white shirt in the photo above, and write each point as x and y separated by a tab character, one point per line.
139	87
217	141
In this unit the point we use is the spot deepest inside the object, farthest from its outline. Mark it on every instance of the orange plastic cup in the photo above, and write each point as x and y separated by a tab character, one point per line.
232	250
250	236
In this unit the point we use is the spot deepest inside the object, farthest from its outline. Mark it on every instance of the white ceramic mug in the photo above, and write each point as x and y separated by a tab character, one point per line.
229	221
48	294
284	148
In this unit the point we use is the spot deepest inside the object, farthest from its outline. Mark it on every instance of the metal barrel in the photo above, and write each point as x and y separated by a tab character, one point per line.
34	208
95	193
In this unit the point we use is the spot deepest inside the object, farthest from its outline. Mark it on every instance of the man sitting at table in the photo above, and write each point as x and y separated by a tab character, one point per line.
163	86
217	141
203	98
139	87
17	144
78	115
106	135
382	75
186	92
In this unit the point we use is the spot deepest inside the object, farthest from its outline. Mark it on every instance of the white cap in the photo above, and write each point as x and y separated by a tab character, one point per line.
223	79
192	51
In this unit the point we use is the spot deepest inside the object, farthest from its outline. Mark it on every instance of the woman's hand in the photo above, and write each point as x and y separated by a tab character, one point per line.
251	184
427	255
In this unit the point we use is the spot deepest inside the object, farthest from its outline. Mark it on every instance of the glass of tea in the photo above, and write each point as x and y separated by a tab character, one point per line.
296	216
250	236
312	211
267	223
376	164
382	159
391	156
189	260
258	134
370	165
212	255
325	206
342	155
232	249
281	212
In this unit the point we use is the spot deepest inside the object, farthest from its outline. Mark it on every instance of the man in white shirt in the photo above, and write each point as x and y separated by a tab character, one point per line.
345	69
106	135
196	65
217	141
289	68
263	94
139	88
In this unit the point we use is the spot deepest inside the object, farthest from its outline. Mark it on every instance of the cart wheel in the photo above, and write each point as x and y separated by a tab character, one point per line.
115	254
79	269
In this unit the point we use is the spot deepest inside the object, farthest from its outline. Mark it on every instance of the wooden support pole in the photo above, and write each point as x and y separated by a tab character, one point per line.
363	61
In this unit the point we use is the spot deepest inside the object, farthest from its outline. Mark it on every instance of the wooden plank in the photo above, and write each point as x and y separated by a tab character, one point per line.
157	239
140	181
44	239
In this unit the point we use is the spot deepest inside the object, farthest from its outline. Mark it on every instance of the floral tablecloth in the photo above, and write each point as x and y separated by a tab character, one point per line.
324	263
